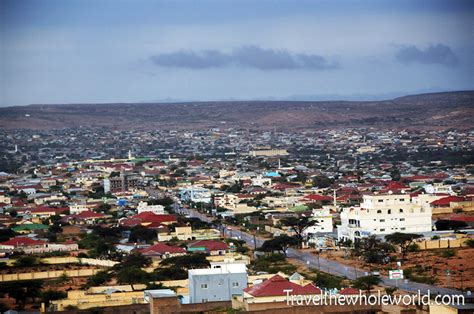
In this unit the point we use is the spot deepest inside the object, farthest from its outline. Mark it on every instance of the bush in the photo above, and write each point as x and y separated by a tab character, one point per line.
448	253
470	243
413	247
51	295
272	263
327	280
27	260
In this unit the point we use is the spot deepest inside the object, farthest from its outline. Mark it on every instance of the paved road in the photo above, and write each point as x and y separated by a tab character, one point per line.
330	266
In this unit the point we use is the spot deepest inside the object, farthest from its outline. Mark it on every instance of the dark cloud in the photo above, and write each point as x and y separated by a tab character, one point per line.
246	56
270	59
434	54
192	60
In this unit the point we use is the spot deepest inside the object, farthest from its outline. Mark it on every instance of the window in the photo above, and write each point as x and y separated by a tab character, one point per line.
402	228
389	211
382	220
380	201
401	210
203	300
402	200
235	284
402	219
204	286
379	211
382	230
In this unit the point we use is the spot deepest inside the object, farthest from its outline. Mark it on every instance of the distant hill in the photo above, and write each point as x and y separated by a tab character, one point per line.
436	110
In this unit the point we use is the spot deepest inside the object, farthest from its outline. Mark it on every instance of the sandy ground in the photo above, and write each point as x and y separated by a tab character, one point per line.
461	266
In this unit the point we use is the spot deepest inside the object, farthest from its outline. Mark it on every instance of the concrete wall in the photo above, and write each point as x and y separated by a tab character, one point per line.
48	274
76	260
82	300
441	244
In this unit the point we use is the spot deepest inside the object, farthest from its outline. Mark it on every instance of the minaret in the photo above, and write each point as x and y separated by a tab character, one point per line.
279	163
335	199
130	154
16	148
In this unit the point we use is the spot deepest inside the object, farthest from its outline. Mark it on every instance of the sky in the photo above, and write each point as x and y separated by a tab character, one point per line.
108	51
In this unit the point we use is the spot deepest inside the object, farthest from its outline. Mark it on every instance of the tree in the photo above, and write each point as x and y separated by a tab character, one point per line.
51	295
186	262
22	290
367	282
327	280
132	275
322	182
298	226
134	260
444	224
99	278
140	233
26	261
373	250
403	240
279	244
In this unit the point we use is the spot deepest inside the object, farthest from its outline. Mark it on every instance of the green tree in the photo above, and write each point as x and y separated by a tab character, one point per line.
132	275
188	261
134	259
403	240
99	278
373	250
327	280
298	226
52	295
279	244
26	261
141	234
367	282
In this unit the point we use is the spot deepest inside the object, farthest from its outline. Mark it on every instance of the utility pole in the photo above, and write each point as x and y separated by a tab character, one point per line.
319	266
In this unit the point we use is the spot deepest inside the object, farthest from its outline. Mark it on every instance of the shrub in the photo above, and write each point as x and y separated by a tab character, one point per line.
448	253
470	243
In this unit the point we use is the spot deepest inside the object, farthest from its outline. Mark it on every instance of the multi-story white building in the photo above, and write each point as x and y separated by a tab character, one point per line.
324	218
196	195
227	200
384	214
156	209
438	188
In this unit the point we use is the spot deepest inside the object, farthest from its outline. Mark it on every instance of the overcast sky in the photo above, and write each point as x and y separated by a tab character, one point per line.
141	50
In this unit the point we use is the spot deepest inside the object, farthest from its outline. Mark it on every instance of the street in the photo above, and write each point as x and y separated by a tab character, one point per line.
330	266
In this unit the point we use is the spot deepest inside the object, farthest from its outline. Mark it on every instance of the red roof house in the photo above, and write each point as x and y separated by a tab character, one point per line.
276	286
210	247
349	291
445	201
162	250
317	198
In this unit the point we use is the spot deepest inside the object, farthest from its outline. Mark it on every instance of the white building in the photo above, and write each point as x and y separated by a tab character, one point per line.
227	200
261	181
195	195
438	188
324	218
77	208
384	214
156	209
222	282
